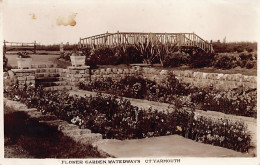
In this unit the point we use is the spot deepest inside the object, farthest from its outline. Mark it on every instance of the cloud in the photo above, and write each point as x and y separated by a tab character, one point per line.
68	20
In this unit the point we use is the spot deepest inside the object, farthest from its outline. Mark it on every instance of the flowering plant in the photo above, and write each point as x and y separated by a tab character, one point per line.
23	55
115	117
240	101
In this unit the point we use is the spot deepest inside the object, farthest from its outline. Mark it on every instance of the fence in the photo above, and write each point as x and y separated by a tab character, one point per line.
187	40
9	46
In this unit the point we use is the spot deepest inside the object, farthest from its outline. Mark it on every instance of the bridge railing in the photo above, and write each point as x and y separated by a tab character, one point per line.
131	38
8	46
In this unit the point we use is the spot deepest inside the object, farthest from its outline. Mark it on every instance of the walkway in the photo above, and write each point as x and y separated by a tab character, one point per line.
164	146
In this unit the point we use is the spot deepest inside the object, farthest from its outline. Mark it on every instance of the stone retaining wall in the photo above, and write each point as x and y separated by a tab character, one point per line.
21	76
198	79
75	75
113	73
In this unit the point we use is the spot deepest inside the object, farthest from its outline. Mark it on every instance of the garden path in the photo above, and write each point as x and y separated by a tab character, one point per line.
145	104
164	146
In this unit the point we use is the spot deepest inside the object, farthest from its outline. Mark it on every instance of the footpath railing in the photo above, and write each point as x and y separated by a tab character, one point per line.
12	46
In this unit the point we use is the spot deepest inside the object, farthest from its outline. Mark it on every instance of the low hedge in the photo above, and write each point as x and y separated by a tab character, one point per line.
116	118
233	60
240	101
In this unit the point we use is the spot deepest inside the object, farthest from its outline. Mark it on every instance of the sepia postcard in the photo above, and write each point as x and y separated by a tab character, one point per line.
129	82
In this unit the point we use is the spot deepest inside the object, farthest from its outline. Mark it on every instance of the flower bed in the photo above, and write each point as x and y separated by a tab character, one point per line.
117	118
240	101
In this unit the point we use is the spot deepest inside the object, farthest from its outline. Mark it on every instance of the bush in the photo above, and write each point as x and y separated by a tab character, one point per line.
117	118
232	47
246	56
229	61
176	59
66	56
110	56
200	59
237	101
250	65
225	62
6	67
132	56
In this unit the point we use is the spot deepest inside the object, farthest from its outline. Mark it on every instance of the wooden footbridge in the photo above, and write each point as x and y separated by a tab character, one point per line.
19	46
182	40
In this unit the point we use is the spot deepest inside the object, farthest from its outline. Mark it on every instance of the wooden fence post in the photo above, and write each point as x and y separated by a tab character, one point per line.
34	47
4	48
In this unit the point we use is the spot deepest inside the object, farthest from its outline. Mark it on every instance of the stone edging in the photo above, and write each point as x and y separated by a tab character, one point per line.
82	136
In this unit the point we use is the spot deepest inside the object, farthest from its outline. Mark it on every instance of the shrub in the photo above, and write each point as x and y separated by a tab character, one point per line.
229	61
176	59
147	50
111	56
238	101
6	67
234	46
250	65
66	56
23	55
246	56
225	62
132	56
200	59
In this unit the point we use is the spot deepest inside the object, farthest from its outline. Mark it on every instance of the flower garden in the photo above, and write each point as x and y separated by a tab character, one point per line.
115	117
239	101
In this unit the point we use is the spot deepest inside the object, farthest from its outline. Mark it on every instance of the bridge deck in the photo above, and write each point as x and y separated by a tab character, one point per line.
131	38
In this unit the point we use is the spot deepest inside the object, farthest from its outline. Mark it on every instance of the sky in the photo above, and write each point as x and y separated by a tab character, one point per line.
52	22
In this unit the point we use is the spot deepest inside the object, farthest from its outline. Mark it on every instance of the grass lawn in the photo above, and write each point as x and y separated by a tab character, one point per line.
37	59
26	138
39	52
237	70
251	72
